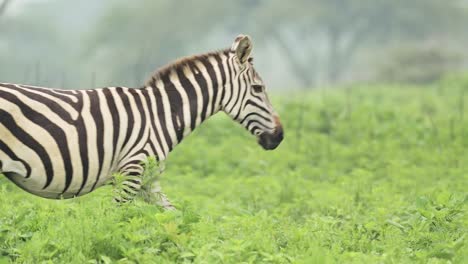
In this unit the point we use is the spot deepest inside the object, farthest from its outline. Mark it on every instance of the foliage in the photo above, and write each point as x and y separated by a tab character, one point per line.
366	175
417	64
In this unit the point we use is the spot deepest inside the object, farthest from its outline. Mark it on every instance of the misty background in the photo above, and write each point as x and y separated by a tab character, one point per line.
298	44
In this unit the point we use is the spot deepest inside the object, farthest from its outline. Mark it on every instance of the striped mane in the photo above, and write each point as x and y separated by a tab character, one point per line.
180	63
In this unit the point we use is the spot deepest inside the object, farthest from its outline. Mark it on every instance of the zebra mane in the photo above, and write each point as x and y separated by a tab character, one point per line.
182	62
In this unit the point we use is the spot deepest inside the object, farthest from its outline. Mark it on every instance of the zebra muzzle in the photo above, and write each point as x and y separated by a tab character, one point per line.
270	141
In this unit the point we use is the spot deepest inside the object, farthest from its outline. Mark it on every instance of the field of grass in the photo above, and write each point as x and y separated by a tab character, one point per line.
374	174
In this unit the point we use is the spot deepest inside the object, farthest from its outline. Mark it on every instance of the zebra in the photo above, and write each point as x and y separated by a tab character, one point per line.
61	144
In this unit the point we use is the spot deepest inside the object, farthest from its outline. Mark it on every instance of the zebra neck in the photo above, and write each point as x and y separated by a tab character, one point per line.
181	103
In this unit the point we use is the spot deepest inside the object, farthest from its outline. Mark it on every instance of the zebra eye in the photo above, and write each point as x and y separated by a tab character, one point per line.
257	88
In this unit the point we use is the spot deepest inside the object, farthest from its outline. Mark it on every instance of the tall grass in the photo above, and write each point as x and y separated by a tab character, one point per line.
374	174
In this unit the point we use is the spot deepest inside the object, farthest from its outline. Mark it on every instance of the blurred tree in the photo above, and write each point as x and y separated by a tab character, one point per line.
3	6
425	36
41	43
417	64
310	41
339	28
147	34
289	27
30	47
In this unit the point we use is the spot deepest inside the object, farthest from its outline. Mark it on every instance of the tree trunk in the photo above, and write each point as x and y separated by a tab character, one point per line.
335	67
341	53
3	6
305	73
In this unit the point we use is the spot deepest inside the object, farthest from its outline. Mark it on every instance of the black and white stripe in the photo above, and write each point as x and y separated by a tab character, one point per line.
61	143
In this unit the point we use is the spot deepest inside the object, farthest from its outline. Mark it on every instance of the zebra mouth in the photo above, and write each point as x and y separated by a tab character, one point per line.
271	141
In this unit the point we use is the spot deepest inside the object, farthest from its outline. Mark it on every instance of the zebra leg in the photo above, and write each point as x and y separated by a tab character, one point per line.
133	181
127	183
152	189
161	199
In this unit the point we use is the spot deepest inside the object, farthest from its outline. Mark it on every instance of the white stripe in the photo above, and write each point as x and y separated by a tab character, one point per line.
235	89
227	87
165	148
209	87
137	125
220	87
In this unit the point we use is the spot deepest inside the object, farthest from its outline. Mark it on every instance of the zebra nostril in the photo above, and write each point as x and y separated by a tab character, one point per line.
280	134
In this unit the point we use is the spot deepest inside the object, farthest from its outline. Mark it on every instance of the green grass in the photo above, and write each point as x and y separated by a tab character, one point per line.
375	174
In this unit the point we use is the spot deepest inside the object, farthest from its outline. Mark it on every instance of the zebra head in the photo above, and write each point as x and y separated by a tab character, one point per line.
248	102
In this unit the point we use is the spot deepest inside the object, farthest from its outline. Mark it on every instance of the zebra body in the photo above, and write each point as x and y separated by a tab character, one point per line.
63	143
59	143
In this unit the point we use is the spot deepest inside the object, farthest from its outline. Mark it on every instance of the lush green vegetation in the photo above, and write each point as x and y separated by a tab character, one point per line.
374	174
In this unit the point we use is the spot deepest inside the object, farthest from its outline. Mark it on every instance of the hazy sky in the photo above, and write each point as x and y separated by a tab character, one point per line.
17	5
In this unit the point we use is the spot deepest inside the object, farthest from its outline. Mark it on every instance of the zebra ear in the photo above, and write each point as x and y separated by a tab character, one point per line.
242	46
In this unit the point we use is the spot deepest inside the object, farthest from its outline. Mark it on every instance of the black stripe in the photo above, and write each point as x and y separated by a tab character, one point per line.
259	123
256	96
254	129
241	98
267	119
250	102
132	166
210	69
11	155
7	120
224	75
239	87
252	93
153	122
221	69
100	130
232	74
176	106
59	94
53	105
202	82
54	131
83	144
128	110
154	151
144	152
143	116
162	117
115	120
